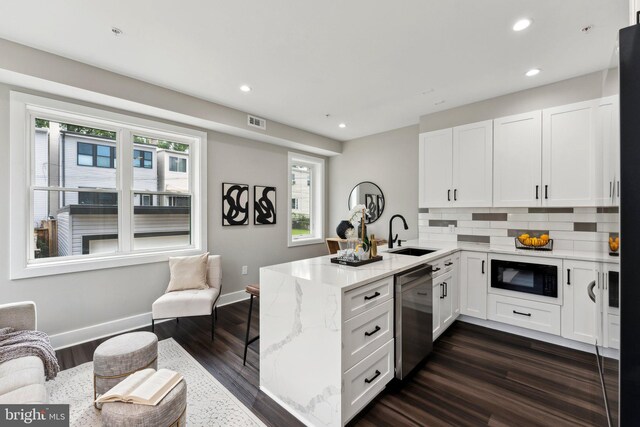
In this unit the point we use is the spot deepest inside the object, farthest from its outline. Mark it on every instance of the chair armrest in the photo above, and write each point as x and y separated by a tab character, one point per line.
18	315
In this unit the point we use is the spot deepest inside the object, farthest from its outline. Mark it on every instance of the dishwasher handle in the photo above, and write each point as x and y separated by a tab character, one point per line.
414	274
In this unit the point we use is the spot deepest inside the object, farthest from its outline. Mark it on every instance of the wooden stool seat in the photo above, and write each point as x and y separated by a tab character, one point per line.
254	291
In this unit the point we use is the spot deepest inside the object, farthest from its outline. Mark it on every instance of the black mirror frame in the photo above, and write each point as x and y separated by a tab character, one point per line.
379	214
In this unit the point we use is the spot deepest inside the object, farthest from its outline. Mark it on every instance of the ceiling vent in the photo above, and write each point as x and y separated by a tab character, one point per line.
256	122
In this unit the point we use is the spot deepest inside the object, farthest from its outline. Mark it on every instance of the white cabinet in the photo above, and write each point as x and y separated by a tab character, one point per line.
472	165
517	160
446	303
473	284
435	169
455	166
607	142
569	155
580	312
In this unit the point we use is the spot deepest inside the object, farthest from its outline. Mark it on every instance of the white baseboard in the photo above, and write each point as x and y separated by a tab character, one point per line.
119	326
540	336
232	297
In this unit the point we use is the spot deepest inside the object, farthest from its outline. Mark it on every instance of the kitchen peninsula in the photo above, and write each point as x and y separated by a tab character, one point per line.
315	359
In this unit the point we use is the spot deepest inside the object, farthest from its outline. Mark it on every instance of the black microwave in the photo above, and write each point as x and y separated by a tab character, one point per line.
537	279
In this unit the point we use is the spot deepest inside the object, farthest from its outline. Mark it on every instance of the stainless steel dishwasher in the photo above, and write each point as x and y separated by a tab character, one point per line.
414	318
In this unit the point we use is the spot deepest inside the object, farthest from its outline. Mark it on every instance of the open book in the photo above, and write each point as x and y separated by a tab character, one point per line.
145	387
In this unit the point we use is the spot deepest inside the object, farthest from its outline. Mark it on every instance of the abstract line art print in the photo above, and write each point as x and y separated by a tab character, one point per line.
235	204
264	205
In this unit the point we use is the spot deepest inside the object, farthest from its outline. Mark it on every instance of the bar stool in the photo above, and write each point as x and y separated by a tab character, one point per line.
254	291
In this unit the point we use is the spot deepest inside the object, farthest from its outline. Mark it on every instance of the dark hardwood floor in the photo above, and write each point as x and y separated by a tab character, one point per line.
475	376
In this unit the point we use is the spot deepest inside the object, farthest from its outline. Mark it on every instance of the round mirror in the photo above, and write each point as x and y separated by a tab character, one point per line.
369	194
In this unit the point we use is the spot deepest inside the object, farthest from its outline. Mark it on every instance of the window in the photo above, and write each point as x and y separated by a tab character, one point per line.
101	156
306	214
83	210
100	199
142	159
177	164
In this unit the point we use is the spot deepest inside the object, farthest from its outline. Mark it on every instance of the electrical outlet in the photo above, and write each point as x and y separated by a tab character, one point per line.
245	269
452	228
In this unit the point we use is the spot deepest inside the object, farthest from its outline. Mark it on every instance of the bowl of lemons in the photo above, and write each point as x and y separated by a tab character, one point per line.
614	245
542	242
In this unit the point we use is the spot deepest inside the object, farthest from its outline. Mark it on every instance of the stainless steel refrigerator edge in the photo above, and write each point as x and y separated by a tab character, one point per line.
413	318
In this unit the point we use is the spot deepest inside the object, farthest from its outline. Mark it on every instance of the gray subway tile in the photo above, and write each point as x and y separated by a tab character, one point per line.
423	210
474	239
442	222
515	232
609	209
489	216
550	210
585	226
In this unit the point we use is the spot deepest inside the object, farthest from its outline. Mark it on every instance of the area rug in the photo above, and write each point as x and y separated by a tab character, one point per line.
209	403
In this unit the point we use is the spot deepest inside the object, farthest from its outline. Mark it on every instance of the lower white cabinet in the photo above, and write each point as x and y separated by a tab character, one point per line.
534	315
364	381
473	284
446	303
580	311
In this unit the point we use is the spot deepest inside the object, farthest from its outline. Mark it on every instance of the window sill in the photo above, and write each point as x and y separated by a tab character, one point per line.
304	242
78	265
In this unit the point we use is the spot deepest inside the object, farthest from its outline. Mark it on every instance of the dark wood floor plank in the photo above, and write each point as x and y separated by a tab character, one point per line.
474	377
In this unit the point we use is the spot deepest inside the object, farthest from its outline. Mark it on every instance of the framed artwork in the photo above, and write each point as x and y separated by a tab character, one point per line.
264	205
235	204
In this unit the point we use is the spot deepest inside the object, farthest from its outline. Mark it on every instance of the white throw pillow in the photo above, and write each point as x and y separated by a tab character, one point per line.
188	272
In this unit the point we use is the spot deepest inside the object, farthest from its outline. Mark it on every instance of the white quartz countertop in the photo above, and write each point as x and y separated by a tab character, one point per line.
321	270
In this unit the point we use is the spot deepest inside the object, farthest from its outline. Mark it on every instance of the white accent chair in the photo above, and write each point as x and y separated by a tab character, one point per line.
192	302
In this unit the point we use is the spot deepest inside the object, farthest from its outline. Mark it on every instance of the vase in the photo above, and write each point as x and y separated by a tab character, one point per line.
342	228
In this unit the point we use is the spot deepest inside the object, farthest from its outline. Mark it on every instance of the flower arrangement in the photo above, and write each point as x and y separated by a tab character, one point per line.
355	214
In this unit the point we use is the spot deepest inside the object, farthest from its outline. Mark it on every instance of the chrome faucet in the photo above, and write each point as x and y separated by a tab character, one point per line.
391	238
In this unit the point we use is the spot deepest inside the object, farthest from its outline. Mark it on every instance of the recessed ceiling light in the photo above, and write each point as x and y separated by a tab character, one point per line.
532	72
522	24
116	31
245	88
342	126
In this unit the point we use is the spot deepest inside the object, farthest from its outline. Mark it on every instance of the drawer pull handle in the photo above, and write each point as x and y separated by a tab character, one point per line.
367	297
373	332
370	380
435	270
447	264
522	314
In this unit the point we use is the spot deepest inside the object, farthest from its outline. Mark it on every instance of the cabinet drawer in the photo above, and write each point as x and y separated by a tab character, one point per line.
366	332
524	313
364	381
359	300
442	266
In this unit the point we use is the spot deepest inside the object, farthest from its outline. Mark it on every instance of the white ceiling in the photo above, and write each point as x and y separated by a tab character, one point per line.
374	65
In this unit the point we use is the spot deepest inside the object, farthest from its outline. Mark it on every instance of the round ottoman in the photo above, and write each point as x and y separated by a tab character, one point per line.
121	356
171	411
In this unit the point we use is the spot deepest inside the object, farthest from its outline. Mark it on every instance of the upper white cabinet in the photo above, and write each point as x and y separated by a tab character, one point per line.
456	166
473	164
607	140
569	155
517	160
435	171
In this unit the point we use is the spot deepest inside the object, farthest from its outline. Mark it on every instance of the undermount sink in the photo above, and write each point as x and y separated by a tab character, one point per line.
412	251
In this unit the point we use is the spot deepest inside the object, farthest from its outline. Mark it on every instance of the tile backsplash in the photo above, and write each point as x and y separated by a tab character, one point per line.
572	229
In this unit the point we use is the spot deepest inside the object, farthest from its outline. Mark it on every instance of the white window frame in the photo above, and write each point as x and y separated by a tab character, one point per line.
317	200
23	107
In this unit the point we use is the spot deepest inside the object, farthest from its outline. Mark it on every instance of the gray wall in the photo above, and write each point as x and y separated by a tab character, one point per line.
389	159
583	88
72	301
